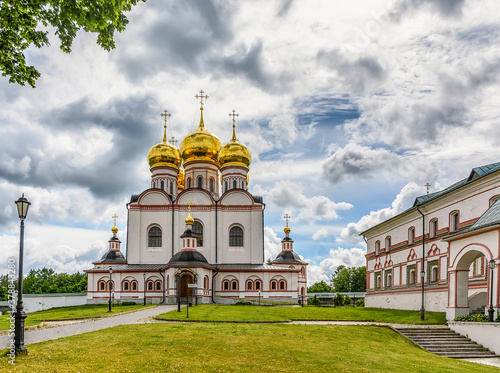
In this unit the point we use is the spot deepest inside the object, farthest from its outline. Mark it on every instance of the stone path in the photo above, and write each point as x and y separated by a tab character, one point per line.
80	327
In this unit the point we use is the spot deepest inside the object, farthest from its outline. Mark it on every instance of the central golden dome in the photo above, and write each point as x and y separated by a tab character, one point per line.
164	154
200	145
234	153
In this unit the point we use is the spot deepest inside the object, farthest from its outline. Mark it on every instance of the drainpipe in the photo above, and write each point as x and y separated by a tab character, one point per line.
173	218
213	284
216	231
422	273
263	255
163	286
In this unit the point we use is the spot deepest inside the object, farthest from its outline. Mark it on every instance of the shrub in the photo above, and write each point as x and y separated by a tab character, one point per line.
314	301
243	303
338	300
128	304
360	302
347	300
472	318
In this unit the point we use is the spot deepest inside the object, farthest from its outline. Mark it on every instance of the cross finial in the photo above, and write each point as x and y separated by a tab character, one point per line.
173	141
189	203
165	115
427	185
286	217
233	114
201	96
114	217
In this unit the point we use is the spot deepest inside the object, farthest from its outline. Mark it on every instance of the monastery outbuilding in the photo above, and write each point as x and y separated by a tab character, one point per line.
197	225
443	252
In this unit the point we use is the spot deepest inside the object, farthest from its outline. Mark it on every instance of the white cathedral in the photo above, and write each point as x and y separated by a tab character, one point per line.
189	229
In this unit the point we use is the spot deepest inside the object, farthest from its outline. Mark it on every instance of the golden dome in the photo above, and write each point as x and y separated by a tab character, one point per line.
164	154
287	230
189	220
200	144
180	180
114	229
234	153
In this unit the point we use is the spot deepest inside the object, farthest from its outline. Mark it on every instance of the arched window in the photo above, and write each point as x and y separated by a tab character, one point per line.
150	285
249	285
189	182
433	228
413	277
282	285
434	273
198	231
162	185
242	185
454	221
236	236
387	243
171	188
168	282
102	286
126	286
411	236
158	285
273	285
134	285
258	285
200	182
234	184
225	186
154	235
234	285
377	248
225	285
212	183
389	281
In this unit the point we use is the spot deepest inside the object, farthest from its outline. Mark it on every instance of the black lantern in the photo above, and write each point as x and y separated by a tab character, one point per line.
110	287
491	311
144	276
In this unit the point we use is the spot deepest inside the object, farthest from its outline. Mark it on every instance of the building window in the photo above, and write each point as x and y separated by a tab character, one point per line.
162	185
234	285
377	248
126	286
225	285
282	285
154	237
258	285
205	282
411	236
387	243
412	275
200	182
212	185
236	236
189	182
102	286
134	285
242	185
158	285
249	285
454	221
198	231
433	228
378	281
150	285
234	184
388	279
273	285
171	187
225	186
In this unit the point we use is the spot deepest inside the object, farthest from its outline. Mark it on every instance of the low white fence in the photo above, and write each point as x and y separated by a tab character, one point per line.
40	302
484	333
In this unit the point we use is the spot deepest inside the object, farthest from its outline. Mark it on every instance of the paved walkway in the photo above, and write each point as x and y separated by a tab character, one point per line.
65	329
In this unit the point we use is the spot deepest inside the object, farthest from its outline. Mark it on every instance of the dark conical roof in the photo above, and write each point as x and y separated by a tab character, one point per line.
191	258
287	256
112	257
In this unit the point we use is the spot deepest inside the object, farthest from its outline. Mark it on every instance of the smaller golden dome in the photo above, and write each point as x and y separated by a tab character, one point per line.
287	230
234	153
164	154
114	229
189	220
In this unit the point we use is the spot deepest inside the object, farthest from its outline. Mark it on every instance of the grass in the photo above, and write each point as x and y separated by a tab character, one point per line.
65	313
209	347
264	313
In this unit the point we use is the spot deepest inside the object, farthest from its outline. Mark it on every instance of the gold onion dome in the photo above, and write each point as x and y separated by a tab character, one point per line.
114	229
287	230
200	144
234	153
180	179
189	220
164	154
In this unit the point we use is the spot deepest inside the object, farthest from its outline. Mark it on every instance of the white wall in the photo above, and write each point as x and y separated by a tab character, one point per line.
434	301
40	302
484	333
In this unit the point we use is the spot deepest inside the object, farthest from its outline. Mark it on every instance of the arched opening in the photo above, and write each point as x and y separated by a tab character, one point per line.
225	186
236	236
212	185
198	231
162	185
186	279
154	237
200	182
235	184
234	285
171	187
189	182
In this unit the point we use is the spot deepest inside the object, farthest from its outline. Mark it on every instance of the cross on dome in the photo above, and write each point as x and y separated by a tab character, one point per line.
173	141
201	97
427	185
114	217
165	115
234	114
114	229
286	217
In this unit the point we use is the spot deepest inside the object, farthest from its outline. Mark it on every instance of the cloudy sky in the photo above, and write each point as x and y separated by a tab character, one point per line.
348	108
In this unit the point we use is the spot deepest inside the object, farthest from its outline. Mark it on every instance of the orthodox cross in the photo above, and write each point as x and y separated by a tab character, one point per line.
189	203
286	217
427	185
165	115
173	141
201	97
114	217
233	114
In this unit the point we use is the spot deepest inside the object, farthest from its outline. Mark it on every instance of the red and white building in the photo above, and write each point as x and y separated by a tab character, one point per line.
197	224
446	242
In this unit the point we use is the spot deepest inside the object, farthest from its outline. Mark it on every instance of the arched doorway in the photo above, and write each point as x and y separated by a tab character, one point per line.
186	279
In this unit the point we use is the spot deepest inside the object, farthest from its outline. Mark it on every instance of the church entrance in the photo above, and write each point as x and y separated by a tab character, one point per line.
185	291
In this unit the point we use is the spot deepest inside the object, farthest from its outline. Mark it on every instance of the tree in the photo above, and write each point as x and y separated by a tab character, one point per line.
320	287
346	279
45	280
21	23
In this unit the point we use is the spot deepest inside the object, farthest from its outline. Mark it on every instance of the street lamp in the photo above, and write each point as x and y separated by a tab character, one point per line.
22	210
422	275
144	276
491	311
110	286
259	297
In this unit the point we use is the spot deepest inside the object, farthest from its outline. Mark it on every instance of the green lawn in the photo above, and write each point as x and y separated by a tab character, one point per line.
265	313
209	347
64	313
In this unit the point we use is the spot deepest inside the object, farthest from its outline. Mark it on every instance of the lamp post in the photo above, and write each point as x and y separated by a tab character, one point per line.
144	277
110	286
491	311
259	297
22	210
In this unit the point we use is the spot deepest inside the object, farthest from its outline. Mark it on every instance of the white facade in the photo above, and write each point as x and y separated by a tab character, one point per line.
461	226
226	229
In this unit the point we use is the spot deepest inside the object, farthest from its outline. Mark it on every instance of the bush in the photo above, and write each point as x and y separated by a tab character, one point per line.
243	303
472	318
314	301
339	300
360	302
128	304
347	300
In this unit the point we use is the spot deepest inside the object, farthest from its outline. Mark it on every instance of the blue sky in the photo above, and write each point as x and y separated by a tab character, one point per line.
348	110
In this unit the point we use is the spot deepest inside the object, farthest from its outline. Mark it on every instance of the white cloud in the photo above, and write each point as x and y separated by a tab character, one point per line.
320	233
354	257
272	244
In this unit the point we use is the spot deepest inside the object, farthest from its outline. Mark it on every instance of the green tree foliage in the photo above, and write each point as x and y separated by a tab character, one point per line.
320	287
24	24
349	279
314	301
45	280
